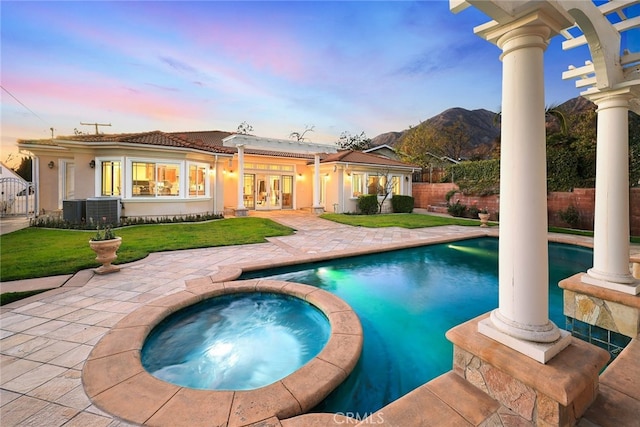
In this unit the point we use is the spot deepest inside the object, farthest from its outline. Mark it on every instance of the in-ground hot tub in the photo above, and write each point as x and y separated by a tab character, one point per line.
115	380
240	341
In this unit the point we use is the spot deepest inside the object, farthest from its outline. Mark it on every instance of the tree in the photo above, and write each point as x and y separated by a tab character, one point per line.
455	140
348	141
381	185
24	169
421	145
300	136
244	128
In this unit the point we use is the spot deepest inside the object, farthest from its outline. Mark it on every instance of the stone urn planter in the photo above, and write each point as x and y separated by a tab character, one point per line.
106	254
484	219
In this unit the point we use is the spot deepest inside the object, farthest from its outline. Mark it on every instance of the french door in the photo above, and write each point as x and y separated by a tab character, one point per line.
274	192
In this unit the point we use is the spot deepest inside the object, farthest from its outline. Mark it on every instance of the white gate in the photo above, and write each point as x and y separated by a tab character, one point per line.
17	197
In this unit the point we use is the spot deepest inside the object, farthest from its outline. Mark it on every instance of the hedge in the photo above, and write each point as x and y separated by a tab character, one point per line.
402	204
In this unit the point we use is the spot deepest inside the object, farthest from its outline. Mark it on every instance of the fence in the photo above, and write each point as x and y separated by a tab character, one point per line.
17	197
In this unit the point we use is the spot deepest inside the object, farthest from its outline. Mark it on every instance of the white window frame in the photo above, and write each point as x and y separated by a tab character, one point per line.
98	180
187	184
156	161
363	179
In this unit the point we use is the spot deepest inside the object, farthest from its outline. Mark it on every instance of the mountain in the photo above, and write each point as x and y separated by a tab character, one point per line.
576	106
480	124
388	138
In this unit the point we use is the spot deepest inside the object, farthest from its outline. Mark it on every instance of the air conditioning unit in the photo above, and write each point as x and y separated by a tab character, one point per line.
103	210
74	211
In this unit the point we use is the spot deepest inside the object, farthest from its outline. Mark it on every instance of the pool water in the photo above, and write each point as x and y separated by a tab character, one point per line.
407	300
235	342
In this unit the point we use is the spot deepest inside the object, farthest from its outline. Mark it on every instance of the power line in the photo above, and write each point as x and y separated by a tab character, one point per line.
21	103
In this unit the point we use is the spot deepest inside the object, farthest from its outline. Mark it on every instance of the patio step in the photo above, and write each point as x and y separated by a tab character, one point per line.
445	401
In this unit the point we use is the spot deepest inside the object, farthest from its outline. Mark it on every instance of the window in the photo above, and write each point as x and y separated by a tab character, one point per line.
155	179
111	178
374	185
197	180
357	184
395	184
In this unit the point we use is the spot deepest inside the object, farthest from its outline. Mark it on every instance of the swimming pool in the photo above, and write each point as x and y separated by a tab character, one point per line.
407	300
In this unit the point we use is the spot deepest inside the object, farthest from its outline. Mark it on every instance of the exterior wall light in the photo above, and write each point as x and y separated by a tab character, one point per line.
51	164
92	164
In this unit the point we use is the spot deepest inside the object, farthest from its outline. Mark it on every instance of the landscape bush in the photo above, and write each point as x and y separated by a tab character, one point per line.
402	204
571	216
368	204
478	178
457	209
55	222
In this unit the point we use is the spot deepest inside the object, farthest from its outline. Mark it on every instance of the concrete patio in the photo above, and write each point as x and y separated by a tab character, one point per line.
46	339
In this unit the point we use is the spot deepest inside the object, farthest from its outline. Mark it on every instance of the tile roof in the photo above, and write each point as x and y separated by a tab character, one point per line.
359	157
211	141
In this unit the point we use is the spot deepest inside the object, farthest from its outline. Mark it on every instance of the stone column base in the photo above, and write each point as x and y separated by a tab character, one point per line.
554	394
608	309
241	212
317	210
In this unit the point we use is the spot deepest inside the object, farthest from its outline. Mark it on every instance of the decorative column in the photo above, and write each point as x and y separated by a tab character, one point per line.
317	209
522	318
611	222
241	210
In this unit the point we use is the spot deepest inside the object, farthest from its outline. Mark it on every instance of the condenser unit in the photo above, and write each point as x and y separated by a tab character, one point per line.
103	210
74	211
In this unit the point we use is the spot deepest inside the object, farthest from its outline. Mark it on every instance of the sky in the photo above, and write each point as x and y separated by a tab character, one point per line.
282	67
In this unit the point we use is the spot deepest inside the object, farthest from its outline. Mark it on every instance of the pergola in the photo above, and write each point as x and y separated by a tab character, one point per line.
242	141
611	79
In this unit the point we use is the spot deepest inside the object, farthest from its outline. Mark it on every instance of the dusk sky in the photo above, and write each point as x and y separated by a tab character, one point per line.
280	66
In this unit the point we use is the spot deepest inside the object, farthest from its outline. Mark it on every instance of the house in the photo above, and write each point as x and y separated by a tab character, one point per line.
383	150
155	174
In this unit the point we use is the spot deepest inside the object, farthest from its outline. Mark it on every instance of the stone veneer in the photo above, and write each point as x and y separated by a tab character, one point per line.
608	309
116	382
553	394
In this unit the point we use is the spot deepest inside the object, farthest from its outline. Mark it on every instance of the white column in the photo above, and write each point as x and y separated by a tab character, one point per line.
241	206
611	222
522	316
316	181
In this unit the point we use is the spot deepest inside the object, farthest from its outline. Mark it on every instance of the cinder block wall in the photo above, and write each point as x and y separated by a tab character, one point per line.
583	199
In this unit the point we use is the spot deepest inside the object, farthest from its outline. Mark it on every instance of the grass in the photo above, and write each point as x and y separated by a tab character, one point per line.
9	297
398	220
38	252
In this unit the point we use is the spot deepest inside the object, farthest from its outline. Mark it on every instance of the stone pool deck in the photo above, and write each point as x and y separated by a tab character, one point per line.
45	340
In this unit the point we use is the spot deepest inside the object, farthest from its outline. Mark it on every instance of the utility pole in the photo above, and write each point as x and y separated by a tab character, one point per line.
96	125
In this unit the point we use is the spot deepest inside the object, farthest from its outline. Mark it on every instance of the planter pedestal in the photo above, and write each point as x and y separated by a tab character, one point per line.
484	218
106	254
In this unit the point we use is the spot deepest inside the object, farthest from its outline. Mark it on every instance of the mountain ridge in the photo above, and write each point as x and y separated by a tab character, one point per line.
480	123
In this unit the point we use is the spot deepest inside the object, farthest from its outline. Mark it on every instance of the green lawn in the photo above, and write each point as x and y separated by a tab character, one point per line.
411	220
38	252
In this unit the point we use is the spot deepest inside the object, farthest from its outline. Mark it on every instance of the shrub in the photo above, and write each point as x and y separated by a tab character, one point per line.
368	204
480	178
457	209
402	204
571	216
473	212
50	222
449	195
